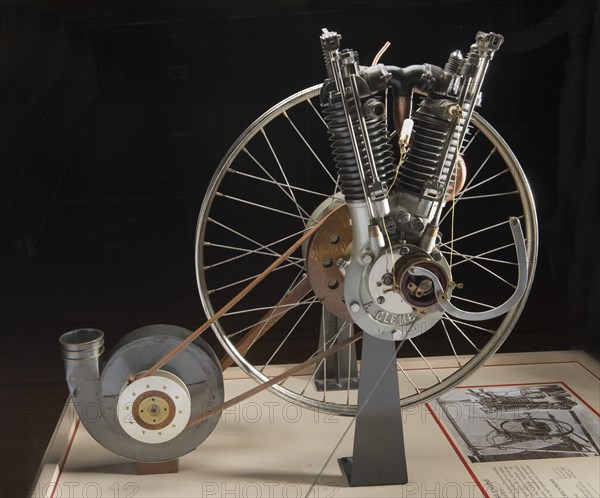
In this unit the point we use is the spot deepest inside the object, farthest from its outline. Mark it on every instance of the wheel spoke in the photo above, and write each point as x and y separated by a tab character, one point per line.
466	146
451	343
289	192
245	250
295	294
425	360
454	296
274	182
310	148
256	243
316	112
460	330
472	325
487	196
483	182
468	258
260	206
276	313
245	311
247	279
407	377
325	345
312	301
469	183
485	268
476	232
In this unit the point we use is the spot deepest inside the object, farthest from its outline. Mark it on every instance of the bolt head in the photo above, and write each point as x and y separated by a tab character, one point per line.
367	258
355	307
403	217
417	225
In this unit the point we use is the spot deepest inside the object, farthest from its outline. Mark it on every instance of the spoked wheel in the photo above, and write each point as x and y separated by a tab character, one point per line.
274	183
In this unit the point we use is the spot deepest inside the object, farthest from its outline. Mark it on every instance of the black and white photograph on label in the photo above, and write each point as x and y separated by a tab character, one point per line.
506	423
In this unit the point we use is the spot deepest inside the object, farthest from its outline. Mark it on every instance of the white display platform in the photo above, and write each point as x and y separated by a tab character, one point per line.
268	447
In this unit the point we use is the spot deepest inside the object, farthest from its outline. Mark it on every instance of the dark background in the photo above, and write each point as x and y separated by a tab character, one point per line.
114	116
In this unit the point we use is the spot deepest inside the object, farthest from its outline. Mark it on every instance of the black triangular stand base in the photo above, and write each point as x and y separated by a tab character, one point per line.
378	457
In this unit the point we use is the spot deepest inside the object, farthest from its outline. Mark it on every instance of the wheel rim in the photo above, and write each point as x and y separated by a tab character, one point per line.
221	268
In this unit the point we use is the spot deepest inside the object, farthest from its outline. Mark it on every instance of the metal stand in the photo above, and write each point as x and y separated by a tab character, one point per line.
378	456
339	371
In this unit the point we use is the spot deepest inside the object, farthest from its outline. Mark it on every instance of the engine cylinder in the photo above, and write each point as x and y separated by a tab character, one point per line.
343	152
426	162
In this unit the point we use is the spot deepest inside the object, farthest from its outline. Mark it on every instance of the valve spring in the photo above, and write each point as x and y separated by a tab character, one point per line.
343	153
327	63
423	166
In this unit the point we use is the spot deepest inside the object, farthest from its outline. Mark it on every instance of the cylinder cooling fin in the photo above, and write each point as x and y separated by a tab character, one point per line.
343	153
427	164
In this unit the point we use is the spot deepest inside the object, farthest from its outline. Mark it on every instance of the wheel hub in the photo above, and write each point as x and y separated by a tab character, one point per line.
154	409
394	302
416	290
